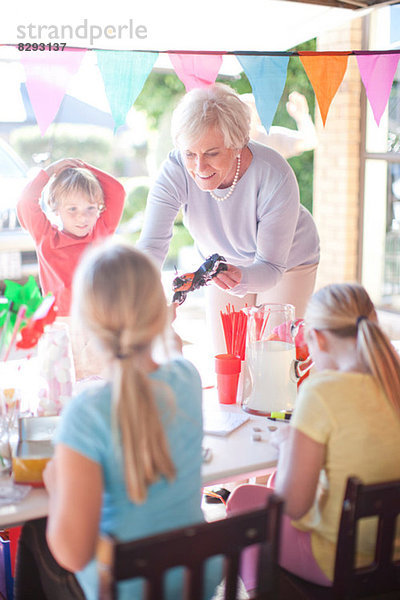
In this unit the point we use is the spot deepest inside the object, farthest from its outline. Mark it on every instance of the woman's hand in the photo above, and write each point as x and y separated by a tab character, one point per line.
59	165
227	280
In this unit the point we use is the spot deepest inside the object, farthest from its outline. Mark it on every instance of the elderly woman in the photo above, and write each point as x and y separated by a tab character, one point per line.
239	199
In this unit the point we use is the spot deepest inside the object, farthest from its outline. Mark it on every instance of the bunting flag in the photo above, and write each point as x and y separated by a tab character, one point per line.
47	76
377	73
325	72
267	76
124	74
196	70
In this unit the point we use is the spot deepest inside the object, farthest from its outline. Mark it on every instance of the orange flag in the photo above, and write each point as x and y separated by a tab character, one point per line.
325	72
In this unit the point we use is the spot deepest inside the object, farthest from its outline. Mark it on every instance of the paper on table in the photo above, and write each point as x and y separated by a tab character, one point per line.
222	423
11	492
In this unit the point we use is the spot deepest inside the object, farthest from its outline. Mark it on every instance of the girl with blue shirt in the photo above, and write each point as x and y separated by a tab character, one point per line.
128	454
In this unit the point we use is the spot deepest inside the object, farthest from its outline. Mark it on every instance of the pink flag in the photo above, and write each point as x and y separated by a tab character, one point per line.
196	70
47	77
377	72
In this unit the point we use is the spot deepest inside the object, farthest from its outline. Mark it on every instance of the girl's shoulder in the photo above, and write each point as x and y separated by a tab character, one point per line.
177	372
332	383
91	396
87	413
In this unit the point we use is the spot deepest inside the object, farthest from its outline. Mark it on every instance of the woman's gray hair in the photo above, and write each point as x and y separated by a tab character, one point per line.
217	105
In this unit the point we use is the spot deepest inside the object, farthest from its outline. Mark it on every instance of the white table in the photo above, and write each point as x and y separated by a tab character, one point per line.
33	506
237	454
233	455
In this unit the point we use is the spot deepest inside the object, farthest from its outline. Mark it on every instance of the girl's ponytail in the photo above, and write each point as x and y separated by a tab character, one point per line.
346	310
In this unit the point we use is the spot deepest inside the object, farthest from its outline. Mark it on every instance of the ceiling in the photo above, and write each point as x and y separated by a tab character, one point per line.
223	25
351	4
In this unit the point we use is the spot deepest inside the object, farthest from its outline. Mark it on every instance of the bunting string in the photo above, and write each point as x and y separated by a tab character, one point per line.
124	73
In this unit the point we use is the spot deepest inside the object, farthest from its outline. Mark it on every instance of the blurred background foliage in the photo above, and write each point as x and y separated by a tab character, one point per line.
91	143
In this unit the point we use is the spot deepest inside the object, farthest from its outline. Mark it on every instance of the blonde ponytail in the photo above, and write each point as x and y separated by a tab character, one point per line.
145	446
382	360
346	310
118	297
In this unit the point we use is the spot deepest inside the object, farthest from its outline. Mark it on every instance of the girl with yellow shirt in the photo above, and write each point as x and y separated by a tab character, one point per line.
346	422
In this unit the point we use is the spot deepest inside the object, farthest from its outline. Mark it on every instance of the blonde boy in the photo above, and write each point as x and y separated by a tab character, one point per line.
88	204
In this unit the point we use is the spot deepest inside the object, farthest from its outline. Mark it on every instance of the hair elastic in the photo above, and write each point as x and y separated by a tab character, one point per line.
359	319
122	356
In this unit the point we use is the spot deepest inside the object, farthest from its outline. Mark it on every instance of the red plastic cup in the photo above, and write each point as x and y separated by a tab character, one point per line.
227	368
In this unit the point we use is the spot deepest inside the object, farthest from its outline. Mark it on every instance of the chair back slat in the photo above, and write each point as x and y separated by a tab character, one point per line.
385	541
153	588
380	500
193	585
231	575
189	547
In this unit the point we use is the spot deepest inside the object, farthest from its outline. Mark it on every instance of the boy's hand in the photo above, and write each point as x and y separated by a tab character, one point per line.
64	163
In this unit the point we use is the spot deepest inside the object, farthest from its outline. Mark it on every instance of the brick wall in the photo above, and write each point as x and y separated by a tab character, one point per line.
337	166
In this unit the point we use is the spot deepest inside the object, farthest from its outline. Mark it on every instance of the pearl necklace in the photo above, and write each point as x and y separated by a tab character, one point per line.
234	182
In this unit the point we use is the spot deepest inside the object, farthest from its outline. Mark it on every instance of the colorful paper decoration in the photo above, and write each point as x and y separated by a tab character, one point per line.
124	74
44	315
267	76
325	72
377	72
24	309
196	70
47	76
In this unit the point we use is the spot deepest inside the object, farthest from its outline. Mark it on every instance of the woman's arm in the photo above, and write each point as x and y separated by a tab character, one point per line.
75	487
166	197
278	208
300	462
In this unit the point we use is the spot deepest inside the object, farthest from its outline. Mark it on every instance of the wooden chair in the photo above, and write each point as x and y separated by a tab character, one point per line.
381	579
151	557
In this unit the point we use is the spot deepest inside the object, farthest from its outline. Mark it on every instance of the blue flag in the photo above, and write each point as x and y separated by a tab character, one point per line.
124	74
267	76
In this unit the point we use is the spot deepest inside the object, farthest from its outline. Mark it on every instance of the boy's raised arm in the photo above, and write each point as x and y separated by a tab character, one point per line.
114	197
30	214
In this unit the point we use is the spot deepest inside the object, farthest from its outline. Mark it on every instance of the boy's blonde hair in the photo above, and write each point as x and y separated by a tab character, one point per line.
119	298
346	310
75	179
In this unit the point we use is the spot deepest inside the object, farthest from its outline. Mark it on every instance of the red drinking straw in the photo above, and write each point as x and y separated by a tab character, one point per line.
234	324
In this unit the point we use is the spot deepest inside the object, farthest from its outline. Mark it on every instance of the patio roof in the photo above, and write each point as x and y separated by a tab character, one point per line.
226	25
351	4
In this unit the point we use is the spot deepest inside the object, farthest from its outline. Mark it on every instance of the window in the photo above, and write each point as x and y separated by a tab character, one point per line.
381	217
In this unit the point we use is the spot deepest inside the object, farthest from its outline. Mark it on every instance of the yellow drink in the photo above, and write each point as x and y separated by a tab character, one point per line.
29	470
